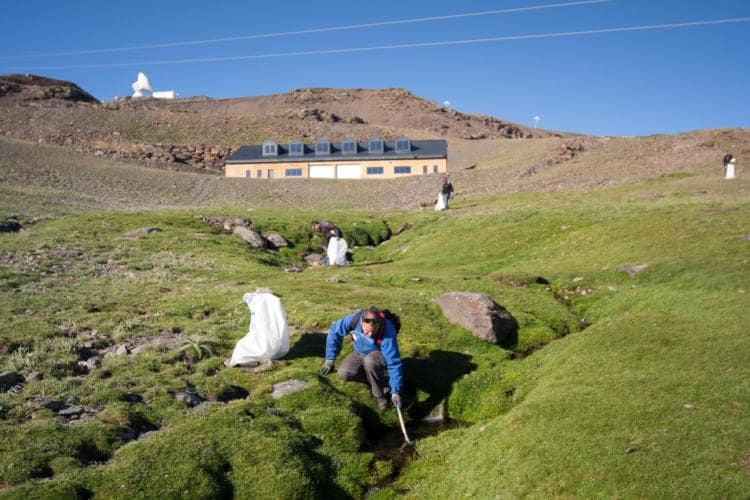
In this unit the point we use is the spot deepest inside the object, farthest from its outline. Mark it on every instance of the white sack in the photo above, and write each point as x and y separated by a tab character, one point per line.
442	201
336	251
268	337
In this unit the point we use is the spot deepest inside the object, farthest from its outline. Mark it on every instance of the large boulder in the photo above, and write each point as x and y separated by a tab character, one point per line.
481	315
253	238
276	239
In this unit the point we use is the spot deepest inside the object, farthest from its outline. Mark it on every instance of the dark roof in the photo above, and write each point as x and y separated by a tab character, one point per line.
419	149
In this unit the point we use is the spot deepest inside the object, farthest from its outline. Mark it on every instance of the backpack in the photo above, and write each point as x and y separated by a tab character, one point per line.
384	314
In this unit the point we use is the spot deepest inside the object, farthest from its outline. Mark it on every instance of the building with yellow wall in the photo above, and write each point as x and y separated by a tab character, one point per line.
374	159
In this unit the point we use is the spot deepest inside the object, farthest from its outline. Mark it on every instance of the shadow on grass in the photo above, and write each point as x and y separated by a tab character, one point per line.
373	263
309	345
433	375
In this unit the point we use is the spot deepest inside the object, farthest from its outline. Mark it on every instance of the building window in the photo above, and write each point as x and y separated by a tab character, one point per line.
401	170
375	146
322	147
260	173
403	145
296	148
434	169
293	172
248	173
349	147
424	169
270	149
374	170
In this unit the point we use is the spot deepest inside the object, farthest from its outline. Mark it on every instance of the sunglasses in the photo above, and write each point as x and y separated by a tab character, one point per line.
371	321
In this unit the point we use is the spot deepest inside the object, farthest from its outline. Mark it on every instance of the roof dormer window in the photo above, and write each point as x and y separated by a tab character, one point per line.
322	147
296	148
270	148
375	146
403	145
349	147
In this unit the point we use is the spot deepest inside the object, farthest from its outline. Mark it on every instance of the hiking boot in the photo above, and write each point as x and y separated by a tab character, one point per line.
382	403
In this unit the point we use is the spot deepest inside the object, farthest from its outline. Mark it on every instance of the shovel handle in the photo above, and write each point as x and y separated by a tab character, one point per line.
403	426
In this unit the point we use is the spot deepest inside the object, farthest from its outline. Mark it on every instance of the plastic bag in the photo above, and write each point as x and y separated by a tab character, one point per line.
442	201
268	337
336	251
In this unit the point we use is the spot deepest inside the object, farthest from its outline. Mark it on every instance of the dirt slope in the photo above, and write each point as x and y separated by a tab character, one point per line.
36	178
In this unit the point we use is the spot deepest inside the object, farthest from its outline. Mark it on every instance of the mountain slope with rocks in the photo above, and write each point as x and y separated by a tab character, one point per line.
201	132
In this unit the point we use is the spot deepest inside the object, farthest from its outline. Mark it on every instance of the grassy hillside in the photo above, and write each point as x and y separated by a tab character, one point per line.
619	385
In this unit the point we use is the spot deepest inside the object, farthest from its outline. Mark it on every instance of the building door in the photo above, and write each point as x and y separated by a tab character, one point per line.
348	172
270	173
322	172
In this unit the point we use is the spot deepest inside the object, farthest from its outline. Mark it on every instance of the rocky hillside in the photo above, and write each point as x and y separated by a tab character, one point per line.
201	132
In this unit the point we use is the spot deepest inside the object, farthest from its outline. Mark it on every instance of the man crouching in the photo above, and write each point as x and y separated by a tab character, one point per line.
375	349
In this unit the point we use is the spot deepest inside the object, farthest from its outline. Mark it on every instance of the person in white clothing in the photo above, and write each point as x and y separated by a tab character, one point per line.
729	166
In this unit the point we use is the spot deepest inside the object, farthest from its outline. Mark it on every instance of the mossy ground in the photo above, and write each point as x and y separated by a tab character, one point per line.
650	400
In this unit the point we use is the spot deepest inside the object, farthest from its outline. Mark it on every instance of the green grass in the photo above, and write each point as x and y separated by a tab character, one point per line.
651	400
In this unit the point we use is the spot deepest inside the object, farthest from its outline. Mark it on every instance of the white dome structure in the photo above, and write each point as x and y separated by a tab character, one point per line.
142	85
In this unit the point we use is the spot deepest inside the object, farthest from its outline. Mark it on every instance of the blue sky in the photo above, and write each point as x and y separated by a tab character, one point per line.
643	82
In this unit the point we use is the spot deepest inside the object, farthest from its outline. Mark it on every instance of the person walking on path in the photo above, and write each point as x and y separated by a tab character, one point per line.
375	350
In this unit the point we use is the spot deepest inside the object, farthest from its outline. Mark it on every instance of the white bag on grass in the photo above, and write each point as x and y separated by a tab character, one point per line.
268	337
336	251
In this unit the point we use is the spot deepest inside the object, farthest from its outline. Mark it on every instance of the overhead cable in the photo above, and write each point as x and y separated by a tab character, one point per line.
304	32
534	36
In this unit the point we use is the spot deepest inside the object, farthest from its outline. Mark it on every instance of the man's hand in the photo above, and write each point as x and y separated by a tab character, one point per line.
327	367
396	399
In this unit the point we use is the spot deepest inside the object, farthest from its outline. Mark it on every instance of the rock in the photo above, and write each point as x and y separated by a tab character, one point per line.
252	237
257	367
122	350
34	377
315	259
477	312
335	279
231	222
93	362
276	239
141	232
633	270
8	380
287	387
71	411
203	407
188	397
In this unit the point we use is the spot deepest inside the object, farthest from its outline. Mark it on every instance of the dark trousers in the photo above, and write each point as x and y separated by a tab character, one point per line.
369	369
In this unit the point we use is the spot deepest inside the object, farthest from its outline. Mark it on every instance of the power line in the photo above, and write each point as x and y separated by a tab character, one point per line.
734	20
304	32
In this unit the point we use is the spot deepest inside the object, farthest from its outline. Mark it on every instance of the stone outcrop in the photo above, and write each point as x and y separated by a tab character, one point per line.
477	312
252	237
275	238
33	87
195	155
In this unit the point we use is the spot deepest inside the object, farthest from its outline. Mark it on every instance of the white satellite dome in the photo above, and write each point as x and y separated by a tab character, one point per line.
141	85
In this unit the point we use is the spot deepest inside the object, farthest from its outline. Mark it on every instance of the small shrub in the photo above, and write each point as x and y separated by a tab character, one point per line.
194	347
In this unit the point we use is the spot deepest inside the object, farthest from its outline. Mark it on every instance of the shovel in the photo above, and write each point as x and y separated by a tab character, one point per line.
408	442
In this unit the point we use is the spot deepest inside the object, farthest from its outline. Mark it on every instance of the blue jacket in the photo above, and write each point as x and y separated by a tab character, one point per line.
364	345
